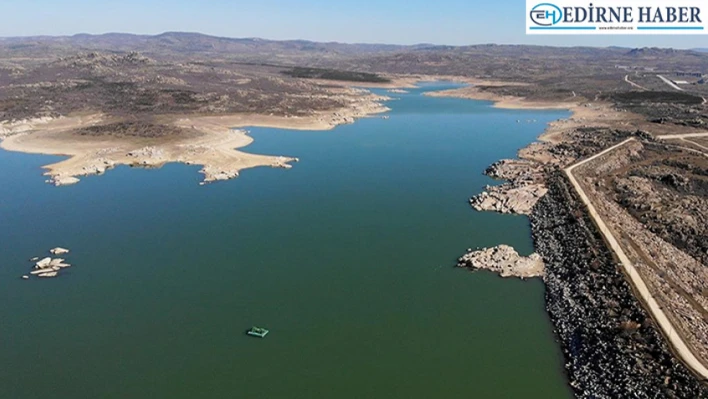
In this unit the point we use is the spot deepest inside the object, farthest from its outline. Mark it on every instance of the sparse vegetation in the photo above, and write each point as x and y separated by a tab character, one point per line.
334	74
669	97
135	129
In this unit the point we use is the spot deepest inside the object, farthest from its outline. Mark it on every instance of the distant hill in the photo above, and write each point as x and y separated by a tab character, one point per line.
179	71
702	50
491	60
175	43
652	52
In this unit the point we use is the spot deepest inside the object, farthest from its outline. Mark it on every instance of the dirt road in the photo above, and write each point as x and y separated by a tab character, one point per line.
670	83
626	79
675	339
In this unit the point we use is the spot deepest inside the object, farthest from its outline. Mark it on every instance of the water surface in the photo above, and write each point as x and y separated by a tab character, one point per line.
348	258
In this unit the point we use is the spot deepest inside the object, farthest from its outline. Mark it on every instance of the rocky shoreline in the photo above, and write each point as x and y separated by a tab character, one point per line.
503	260
524	187
611	346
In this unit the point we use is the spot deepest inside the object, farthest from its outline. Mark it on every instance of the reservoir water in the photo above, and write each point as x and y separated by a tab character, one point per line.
348	258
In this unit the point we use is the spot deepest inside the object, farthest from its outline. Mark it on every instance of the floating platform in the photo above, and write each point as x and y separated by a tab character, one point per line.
257	332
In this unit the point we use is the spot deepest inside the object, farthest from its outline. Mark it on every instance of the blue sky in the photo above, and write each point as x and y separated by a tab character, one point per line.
455	22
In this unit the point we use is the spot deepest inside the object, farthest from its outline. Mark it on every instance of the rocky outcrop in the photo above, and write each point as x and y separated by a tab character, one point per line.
59	251
503	260
611	346
217	173
42	271
58	262
43	263
509	198
516	169
523	189
62	180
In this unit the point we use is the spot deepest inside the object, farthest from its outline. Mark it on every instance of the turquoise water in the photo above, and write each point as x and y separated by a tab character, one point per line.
348	258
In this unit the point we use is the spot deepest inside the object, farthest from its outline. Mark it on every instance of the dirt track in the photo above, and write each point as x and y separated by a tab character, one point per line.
675	339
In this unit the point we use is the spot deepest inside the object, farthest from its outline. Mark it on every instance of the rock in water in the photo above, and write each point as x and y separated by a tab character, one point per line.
43	263
58	262
63	180
40	271
59	251
505	261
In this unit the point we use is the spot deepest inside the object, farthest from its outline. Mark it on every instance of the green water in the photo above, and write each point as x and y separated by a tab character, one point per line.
348	258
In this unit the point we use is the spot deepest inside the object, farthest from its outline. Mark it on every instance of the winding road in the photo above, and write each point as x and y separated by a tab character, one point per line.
668	82
675	339
681	136
626	79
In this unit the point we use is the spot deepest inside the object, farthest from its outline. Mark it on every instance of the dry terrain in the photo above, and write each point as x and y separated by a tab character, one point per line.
626	188
104	110
117	99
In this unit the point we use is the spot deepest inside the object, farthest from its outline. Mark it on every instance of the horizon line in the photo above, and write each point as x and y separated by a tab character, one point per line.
328	42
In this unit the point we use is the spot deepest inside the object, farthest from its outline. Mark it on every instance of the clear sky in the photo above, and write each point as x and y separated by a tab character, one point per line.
455	22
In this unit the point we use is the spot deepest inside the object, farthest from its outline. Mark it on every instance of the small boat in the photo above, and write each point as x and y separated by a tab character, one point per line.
257	332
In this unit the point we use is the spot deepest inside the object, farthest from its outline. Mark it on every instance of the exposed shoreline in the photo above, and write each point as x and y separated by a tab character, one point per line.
591	372
213	140
524	185
215	149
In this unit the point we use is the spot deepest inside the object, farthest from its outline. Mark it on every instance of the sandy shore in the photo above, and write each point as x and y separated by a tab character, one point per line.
214	147
508	102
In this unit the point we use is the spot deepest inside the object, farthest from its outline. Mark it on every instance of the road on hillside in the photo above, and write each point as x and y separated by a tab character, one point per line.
670	83
626	79
681	136
675	339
